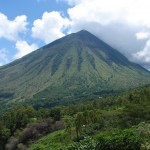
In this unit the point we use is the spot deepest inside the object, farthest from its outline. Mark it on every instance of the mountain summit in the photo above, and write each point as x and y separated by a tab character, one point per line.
75	65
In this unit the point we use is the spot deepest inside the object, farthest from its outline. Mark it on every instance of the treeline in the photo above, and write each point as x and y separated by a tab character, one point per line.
127	110
121	111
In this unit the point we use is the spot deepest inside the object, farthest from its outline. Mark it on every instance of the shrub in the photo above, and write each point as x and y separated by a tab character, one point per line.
120	140
12	144
87	143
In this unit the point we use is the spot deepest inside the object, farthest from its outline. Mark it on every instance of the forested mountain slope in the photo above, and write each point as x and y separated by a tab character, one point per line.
75	65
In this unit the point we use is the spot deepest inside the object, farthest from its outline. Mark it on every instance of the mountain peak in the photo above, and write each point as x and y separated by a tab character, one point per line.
85	33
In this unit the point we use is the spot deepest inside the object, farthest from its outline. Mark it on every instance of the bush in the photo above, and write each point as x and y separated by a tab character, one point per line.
12	144
120	140
87	143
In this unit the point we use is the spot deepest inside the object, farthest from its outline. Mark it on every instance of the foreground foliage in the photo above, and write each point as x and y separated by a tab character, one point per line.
23	125
120	140
105	123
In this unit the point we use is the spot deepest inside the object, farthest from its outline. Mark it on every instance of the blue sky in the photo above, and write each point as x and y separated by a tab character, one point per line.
32	10
26	25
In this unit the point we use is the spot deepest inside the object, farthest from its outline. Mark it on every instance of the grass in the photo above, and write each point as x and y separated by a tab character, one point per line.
53	141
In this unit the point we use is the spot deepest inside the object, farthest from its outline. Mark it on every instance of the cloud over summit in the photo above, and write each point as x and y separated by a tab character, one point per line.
124	25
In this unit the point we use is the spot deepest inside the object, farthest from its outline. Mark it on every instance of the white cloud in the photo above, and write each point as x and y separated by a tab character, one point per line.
3	56
50	27
24	48
125	25
144	55
142	35
106	11
10	30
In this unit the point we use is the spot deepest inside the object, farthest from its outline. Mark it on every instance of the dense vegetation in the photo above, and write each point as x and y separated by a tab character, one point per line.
23	125
120	121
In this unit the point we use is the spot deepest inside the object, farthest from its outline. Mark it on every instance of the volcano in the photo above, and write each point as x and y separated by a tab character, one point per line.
75	65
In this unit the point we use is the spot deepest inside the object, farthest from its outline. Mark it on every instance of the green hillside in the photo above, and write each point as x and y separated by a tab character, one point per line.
123	122
77	65
116	122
